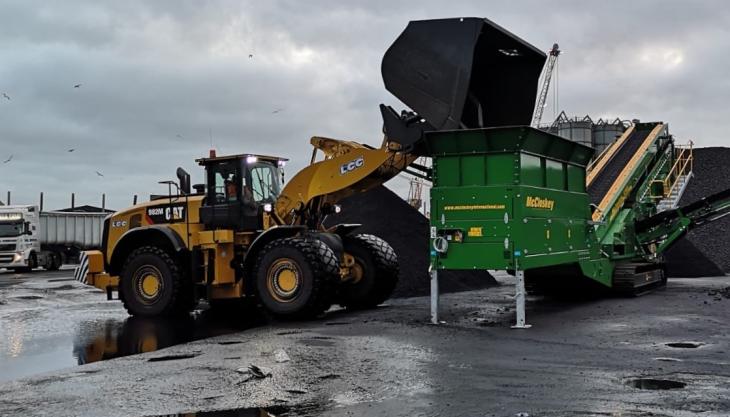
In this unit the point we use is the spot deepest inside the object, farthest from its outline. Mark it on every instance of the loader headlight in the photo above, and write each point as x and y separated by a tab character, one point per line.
337	208
251	159
267	207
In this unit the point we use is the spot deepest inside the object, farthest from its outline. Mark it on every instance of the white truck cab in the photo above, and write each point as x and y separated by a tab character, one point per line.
20	247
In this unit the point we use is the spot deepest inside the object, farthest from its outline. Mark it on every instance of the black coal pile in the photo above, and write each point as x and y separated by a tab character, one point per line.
384	214
711	242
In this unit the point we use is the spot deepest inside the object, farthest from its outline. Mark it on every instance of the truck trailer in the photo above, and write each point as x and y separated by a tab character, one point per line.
30	238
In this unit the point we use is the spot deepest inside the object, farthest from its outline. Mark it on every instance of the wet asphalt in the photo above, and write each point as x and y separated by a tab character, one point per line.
65	350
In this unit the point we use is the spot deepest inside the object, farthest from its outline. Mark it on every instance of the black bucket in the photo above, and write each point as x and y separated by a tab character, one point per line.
464	73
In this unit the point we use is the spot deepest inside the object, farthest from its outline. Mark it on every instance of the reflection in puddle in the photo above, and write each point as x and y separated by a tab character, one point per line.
303	409
112	339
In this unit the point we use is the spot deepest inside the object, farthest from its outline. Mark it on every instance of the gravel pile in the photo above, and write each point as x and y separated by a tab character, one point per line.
384	214
712	242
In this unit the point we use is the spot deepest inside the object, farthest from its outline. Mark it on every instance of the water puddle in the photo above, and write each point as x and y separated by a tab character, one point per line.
172	357
685	345
47	343
655	384
138	335
304	409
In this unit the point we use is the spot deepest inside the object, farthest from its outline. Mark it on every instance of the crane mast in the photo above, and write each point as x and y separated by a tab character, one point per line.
549	66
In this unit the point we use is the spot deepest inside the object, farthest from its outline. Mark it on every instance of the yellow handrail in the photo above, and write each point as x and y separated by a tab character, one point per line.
683	161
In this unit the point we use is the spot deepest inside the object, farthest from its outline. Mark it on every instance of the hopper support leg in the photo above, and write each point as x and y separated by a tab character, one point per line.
434	296
520	301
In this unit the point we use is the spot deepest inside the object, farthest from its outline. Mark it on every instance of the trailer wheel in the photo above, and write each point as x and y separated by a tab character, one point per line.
54	262
151	284
296	277
375	273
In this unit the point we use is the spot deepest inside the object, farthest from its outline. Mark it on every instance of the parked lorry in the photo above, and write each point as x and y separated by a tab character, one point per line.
30	238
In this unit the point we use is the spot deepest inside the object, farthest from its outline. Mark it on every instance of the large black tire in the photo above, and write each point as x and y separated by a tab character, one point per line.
54	262
167	292
378	272
296	277
32	263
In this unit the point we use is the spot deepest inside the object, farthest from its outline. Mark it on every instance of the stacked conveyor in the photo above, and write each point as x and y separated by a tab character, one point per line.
604	175
622	168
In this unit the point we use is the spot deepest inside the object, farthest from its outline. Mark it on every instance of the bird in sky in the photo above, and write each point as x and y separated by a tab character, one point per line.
99	173
10	158
5	95
71	150
179	136
77	85
277	111
250	56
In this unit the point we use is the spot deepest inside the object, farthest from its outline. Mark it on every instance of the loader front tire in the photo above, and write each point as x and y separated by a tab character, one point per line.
151	284
296	277
375	273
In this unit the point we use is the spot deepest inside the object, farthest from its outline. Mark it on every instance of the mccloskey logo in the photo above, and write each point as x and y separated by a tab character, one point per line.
540	203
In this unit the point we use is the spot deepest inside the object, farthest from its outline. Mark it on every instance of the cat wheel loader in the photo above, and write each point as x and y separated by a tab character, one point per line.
241	235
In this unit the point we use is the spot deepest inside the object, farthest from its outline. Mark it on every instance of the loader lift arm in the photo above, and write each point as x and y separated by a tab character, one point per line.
667	227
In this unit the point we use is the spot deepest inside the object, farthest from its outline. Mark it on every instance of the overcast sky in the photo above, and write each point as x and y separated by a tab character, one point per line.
158	78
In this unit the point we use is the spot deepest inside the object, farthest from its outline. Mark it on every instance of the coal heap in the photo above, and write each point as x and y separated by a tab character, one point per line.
704	251
382	213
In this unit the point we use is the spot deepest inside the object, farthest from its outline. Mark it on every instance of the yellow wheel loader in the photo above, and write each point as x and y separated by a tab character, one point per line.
240	235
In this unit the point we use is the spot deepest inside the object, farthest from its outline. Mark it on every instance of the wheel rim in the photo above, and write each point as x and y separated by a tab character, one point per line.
357	271
148	284
283	280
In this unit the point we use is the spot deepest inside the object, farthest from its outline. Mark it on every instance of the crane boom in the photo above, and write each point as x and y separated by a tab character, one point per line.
549	66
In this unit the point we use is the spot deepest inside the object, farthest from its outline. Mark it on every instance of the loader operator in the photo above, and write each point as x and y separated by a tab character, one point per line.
231	189
249	204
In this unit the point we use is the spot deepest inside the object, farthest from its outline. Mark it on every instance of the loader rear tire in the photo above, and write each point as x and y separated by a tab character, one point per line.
376	264
152	284
296	277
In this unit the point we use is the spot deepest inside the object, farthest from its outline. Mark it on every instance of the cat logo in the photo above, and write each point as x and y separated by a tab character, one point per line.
352	165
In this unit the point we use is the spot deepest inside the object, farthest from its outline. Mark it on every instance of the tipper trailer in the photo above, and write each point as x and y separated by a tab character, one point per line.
30	238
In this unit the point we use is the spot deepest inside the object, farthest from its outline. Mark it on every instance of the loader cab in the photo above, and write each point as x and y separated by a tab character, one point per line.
237	190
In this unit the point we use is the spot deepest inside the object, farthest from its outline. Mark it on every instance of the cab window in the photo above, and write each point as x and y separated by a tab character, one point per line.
264	182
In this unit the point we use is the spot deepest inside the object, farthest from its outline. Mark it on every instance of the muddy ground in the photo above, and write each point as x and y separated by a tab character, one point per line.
595	357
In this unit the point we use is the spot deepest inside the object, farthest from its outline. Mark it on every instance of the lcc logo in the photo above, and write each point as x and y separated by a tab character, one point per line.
352	165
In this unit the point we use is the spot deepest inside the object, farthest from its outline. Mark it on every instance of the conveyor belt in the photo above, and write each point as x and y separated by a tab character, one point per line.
603	181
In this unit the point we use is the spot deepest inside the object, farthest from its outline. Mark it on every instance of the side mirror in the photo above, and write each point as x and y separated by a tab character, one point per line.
184	178
26	228
199	188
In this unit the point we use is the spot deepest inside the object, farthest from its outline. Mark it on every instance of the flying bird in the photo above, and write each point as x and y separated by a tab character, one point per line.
77	85
99	173
277	111
6	96
71	150
179	136
250	56
10	158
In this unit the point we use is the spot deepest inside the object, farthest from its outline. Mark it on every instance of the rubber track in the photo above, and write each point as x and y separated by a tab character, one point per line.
627	281
607	176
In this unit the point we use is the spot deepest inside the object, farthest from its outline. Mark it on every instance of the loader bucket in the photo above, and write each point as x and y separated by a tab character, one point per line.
464	73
